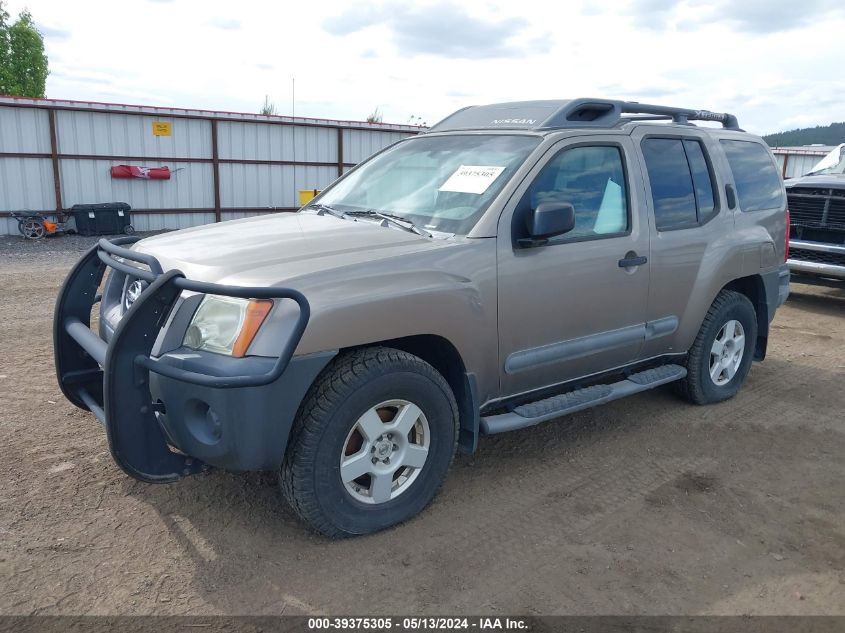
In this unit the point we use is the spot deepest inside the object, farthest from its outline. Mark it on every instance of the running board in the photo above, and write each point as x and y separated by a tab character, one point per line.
535	412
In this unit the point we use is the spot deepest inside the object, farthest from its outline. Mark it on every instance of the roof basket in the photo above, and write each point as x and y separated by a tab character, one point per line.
574	113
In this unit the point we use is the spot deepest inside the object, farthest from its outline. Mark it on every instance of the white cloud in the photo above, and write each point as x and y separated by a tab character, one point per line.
443	29
769	62
227	24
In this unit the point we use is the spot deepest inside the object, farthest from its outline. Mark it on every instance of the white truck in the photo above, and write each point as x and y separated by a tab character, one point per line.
817	220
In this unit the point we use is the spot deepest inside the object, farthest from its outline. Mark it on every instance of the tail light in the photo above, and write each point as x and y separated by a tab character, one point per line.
786	246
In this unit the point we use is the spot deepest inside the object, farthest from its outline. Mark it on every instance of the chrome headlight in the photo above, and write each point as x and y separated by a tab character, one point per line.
226	325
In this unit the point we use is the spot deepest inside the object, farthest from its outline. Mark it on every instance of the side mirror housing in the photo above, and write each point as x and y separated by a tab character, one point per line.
547	220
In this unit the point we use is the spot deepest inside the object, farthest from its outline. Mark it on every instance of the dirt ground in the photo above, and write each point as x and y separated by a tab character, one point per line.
644	506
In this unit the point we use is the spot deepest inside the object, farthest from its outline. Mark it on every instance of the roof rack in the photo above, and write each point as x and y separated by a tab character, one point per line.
573	113
681	116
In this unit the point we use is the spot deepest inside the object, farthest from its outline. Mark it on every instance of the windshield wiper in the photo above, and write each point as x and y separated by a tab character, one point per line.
324	208
396	220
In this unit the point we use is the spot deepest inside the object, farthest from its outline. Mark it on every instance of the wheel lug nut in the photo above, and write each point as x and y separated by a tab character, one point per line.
395	447
374	460
390	436
386	460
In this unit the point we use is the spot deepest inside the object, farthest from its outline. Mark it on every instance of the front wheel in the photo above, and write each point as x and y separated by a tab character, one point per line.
371	444
721	355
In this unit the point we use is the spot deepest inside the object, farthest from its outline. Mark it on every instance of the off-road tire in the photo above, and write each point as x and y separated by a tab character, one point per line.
348	386
698	387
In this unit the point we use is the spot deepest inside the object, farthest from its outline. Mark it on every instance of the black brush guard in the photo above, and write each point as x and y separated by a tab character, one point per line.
112	379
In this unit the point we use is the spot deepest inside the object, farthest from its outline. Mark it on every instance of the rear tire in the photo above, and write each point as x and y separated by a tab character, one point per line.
719	359
33	229
371	444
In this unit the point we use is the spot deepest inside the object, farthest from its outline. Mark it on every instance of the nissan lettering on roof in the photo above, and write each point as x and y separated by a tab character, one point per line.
523	115
526	122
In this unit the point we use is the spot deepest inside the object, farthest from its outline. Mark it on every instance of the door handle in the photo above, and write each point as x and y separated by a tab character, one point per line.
730	194
632	259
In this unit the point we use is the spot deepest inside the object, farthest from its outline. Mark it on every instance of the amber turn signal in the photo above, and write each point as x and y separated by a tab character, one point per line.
256	311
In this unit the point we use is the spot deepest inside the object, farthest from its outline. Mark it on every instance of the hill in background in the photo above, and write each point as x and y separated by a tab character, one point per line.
832	134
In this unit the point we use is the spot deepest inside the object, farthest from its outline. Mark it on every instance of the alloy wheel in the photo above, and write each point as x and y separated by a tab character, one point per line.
726	352
385	451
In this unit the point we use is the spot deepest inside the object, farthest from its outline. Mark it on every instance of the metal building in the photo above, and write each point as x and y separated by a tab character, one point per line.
225	165
797	161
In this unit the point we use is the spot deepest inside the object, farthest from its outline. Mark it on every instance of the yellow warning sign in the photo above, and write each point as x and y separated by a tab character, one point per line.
162	128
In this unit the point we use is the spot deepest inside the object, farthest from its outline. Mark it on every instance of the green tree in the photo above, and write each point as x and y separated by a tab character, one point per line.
832	134
5	78
269	107
23	64
375	116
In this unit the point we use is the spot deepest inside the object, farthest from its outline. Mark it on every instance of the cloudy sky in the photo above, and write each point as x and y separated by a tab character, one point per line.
777	64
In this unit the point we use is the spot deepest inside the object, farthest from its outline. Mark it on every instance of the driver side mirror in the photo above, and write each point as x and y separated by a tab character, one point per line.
548	220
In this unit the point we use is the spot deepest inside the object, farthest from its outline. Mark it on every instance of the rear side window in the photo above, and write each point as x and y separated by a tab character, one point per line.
681	186
758	184
700	180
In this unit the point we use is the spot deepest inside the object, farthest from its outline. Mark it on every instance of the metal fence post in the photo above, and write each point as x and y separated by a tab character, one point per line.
339	152
215	168
54	157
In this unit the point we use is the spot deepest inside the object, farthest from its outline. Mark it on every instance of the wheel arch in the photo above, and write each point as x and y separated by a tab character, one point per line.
754	289
441	354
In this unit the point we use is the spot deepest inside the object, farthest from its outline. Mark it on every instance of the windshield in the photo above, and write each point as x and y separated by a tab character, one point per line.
441	183
833	163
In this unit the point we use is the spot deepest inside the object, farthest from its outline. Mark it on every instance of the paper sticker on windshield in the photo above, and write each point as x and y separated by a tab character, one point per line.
472	179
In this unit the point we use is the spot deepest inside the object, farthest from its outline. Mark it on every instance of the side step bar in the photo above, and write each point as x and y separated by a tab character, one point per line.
549	408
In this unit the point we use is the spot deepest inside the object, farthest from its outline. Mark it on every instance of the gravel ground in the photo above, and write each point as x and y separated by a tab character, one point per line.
16	251
644	506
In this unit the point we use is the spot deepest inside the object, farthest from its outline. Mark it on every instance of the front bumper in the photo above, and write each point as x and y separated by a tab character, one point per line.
817	258
216	410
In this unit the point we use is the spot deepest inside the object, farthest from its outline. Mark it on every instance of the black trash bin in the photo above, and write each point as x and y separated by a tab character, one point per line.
108	218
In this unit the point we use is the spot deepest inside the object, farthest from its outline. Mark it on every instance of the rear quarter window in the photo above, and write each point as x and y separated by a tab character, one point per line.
681	186
758	184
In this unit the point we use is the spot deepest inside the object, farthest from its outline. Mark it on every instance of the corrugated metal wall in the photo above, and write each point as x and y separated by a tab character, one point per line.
797	164
225	165
24	183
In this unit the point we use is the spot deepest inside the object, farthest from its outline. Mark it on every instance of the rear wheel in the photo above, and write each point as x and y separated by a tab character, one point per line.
371	444
32	228
722	353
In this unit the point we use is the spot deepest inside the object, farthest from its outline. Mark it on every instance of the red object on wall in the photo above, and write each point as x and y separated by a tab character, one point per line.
147	173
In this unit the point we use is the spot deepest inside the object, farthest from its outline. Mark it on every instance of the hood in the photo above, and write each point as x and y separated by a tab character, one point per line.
272	249
835	181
